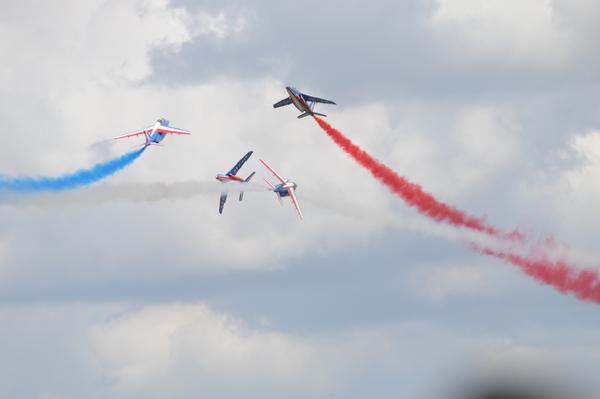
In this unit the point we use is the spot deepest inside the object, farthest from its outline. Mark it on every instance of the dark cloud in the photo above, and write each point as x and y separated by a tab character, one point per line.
361	51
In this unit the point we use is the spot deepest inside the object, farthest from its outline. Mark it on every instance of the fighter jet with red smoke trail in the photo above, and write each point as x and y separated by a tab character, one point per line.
304	102
232	176
285	188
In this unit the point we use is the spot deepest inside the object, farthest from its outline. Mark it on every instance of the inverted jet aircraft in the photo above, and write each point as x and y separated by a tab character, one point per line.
285	188
231	176
304	102
156	133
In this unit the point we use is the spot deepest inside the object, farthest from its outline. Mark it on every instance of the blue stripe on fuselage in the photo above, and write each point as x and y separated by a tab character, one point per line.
281	191
157	137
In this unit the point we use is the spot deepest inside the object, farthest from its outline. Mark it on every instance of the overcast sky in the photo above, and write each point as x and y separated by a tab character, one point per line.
492	106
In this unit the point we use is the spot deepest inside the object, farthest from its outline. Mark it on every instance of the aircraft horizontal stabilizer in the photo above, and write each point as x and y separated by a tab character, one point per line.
249	177
270	185
222	201
304	115
246	181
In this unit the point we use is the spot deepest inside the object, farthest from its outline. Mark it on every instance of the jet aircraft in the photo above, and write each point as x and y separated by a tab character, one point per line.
285	188
304	102
231	176
156	133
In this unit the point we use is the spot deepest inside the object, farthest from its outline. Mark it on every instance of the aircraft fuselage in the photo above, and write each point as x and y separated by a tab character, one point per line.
154	136
282	189
298	101
157	137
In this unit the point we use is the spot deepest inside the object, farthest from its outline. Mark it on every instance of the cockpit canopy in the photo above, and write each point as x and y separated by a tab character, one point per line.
163	122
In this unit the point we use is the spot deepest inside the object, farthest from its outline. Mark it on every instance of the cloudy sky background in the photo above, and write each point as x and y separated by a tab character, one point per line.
492	106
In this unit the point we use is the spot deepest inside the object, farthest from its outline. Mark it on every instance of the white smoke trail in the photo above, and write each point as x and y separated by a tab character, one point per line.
133	192
470	238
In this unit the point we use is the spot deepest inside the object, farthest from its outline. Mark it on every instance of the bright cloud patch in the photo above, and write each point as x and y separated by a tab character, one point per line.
502	31
197	346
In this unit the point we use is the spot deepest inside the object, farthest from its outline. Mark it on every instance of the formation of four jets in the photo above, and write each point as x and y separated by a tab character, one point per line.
284	188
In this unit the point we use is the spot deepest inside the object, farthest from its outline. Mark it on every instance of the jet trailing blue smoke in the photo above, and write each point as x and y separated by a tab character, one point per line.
82	177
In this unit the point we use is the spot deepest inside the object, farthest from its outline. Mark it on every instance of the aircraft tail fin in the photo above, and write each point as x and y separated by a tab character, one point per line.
246	181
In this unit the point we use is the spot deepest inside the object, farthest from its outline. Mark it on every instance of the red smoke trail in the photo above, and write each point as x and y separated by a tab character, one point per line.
411	193
584	283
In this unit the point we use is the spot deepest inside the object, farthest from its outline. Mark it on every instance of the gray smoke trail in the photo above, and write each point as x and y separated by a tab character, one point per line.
387	219
133	192
381	218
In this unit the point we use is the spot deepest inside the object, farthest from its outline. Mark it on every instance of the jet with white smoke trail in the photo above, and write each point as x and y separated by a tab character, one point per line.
285	188
232	177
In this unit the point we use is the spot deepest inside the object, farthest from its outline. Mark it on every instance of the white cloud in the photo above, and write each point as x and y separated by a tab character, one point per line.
574	194
502	31
157	343
222	25
586	174
128	351
449	150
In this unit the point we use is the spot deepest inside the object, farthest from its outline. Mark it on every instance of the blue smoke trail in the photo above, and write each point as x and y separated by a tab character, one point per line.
82	177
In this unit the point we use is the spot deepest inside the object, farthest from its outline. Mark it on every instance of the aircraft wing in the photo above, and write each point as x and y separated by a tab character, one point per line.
239	165
282	103
172	130
295	201
317	99
277	175
135	133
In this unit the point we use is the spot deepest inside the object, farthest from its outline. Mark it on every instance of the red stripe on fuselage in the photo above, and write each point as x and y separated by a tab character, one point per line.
224	178
299	103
